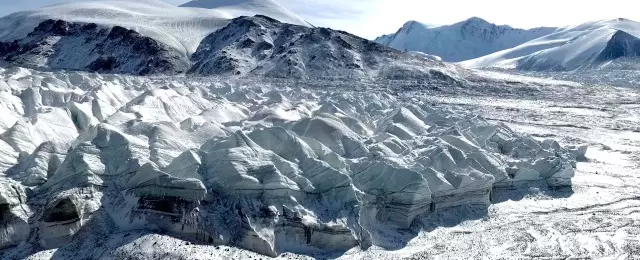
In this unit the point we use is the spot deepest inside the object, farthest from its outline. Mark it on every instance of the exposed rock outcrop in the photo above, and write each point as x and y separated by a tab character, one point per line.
58	44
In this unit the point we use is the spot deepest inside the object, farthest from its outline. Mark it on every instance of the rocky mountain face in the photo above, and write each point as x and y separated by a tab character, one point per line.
57	44
621	45
461	41
263	46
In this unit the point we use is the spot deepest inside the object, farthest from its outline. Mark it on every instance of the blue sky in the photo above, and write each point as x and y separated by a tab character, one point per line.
371	18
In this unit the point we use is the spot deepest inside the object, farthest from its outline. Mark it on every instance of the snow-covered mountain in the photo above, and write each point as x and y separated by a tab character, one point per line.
246	46
461	41
181	28
57	44
608	43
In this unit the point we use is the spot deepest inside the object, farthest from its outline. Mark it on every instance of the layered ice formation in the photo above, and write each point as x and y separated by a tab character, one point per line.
266	167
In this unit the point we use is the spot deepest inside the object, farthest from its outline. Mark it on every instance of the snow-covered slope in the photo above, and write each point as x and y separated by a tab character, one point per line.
461	41
268	8
181	28
263	46
590	45
266	167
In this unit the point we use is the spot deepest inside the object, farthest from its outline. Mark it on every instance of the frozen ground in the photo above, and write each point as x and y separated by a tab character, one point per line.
629	78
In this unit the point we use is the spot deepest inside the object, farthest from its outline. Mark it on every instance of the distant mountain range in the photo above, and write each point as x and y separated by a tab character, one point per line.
151	37
203	37
476	43
593	45
461	41
181	28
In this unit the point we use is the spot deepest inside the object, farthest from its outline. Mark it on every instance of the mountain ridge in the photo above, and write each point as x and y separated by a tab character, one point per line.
589	45
264	46
246	46
181	28
464	40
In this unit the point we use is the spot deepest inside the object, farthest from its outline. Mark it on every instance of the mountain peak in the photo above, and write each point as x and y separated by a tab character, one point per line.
408	26
410	23
260	45
475	19
618	21
479	22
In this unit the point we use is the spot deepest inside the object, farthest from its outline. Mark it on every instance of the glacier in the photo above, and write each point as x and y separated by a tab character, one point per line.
266	165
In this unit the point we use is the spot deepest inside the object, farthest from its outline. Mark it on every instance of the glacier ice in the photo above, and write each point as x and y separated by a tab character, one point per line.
264	166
